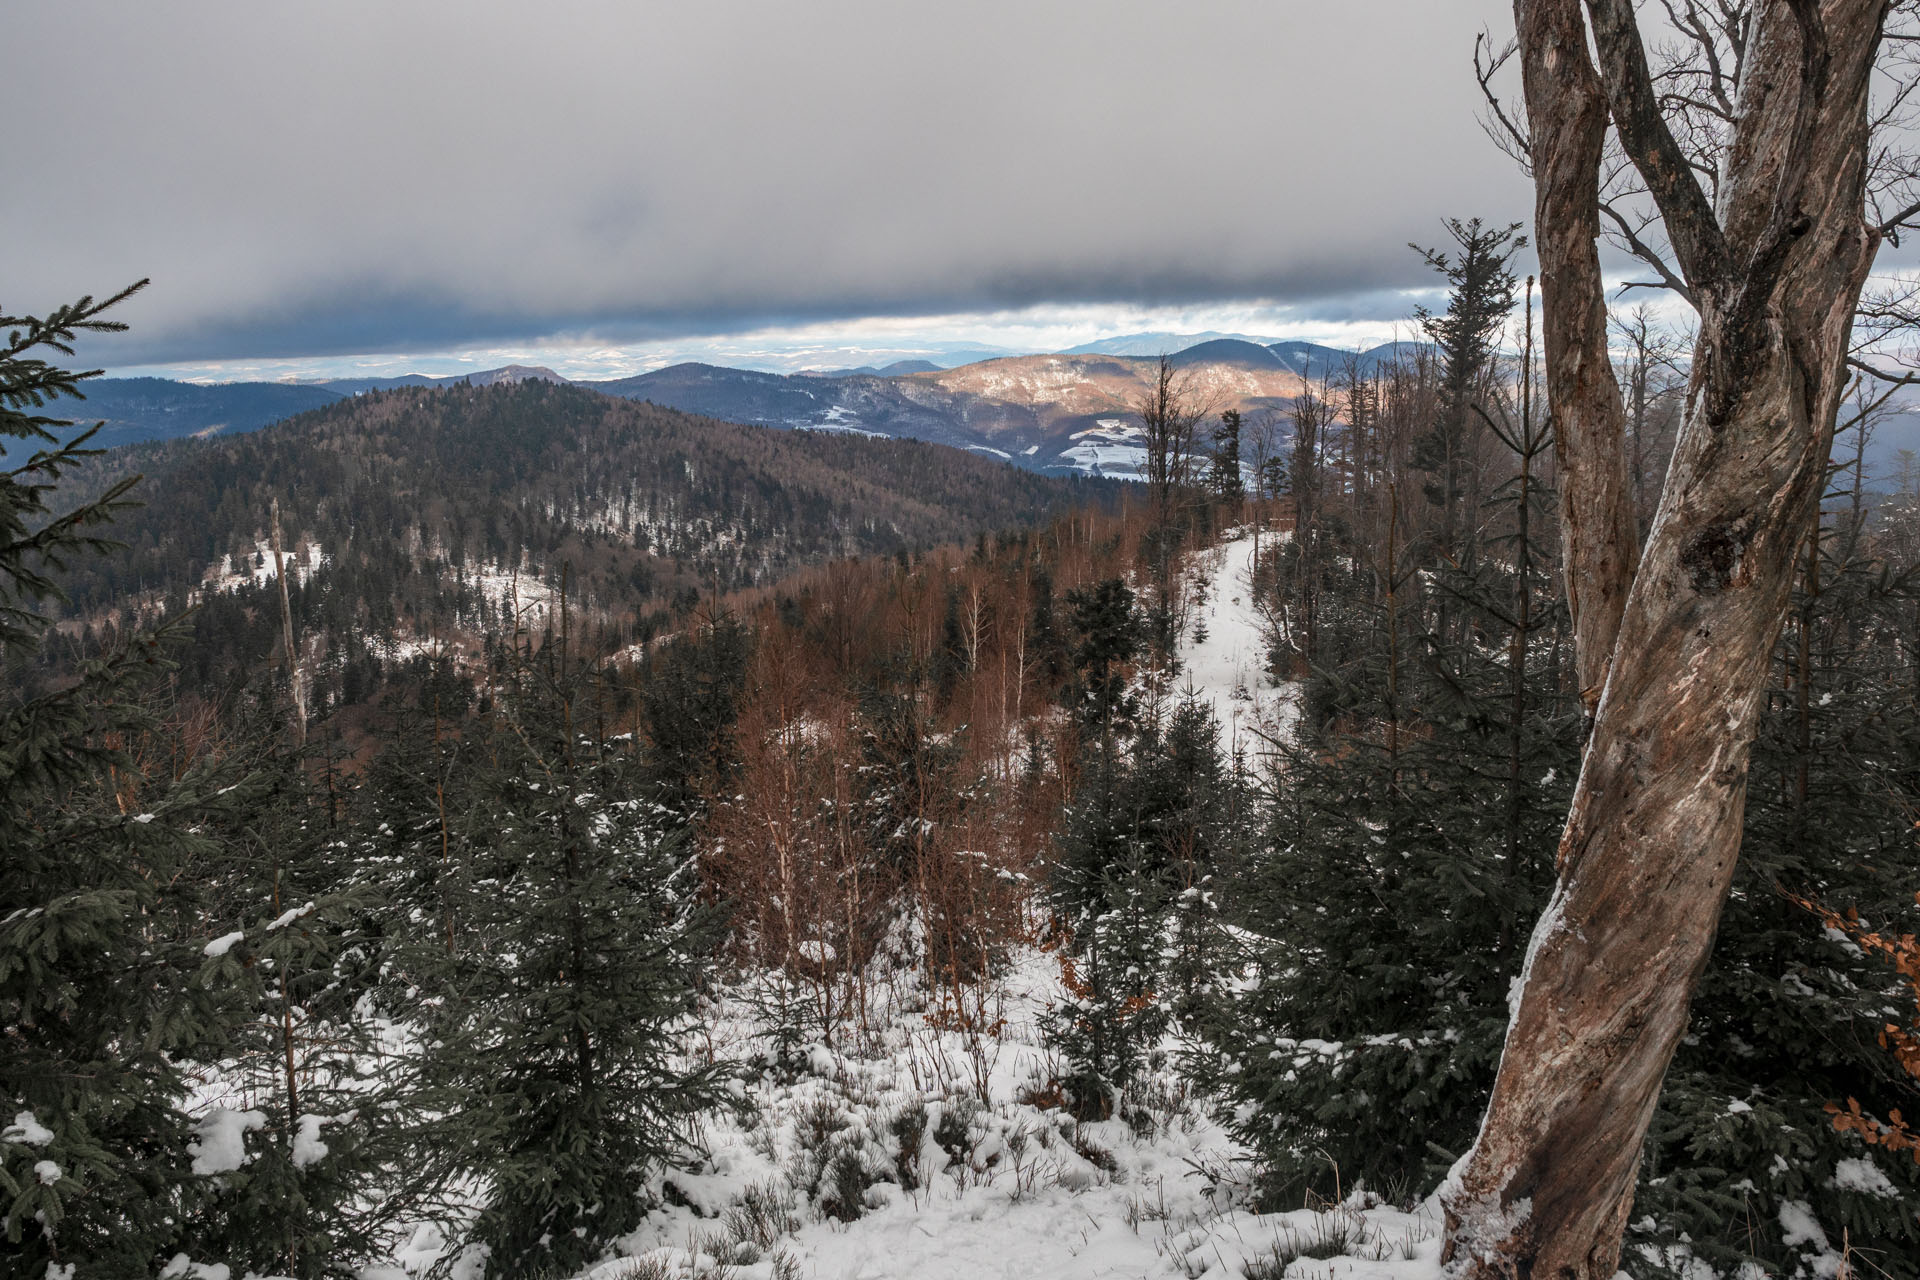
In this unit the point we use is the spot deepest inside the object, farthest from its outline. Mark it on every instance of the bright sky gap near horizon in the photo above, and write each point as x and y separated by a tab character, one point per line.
371	189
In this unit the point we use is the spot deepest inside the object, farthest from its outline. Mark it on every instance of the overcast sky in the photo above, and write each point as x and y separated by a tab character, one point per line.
592	180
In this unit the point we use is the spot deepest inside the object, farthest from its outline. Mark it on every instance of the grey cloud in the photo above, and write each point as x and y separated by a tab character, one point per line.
364	176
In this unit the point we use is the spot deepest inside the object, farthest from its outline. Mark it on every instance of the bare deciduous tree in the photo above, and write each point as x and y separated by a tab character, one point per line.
1773	252
1170	412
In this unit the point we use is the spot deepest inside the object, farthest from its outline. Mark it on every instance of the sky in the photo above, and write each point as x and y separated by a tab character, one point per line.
604	186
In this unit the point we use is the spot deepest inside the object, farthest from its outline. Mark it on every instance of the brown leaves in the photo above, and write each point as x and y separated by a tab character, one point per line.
1902	953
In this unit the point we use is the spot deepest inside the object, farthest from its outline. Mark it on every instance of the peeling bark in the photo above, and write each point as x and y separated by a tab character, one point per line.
1650	844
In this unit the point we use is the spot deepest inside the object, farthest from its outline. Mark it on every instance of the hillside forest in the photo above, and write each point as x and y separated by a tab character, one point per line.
583	838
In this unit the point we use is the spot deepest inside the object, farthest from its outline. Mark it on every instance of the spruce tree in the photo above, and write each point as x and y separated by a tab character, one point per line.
551	1027
316	1178
102	911
1480	295
690	703
1223	476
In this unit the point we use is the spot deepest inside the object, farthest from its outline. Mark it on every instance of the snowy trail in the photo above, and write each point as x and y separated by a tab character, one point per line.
1228	666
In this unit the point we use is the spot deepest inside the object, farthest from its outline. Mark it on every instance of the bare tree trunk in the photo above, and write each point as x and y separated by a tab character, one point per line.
1650	843
1567	107
286	633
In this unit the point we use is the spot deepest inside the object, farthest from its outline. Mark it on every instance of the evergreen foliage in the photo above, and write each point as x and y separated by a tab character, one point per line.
1384	919
310	1198
1480	294
101	940
552	1061
1133	866
689	705
1223	472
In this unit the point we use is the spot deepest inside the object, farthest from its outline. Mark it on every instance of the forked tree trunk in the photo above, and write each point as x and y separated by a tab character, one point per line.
1648	852
1567	106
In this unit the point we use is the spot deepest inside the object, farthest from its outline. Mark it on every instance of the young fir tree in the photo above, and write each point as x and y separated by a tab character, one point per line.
553	1058
1223	473
690	703
310	1182
1132	880
413	813
1480	287
102	907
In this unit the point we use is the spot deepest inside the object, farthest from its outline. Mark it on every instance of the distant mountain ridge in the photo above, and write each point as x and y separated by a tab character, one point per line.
1062	413
894	370
136	409
485	378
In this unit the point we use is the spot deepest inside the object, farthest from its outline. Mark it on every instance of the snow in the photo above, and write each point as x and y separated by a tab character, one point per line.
1111	447
287	917
27	1129
307	1147
1228	667
840	418
221	1146
304	560
223	944
182	1268
1864	1176
1004	1189
1798	1224
47	1171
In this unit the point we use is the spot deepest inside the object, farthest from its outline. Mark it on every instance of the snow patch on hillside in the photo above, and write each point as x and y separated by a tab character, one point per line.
258	569
1111	447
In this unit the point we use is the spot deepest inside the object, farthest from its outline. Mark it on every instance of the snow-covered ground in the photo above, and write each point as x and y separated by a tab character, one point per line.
920	1148
1000	1188
1227	663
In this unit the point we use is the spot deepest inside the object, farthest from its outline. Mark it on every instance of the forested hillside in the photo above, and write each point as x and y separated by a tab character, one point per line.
417	516
711	850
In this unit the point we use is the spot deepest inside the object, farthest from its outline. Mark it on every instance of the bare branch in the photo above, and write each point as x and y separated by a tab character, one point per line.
1645	252
1896	379
1507	134
1691	225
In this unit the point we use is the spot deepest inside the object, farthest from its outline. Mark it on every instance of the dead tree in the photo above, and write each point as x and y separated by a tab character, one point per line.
1170	412
290	649
1673	645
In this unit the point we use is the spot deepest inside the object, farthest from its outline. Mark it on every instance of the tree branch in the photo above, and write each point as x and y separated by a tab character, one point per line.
1646	253
1691	224
1897	379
